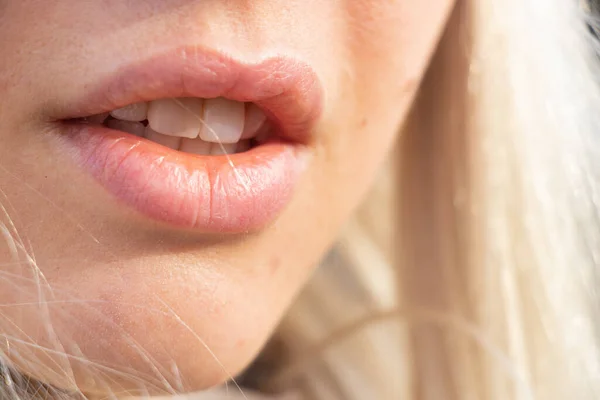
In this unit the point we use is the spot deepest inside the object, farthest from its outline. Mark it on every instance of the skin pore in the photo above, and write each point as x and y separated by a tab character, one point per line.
96	295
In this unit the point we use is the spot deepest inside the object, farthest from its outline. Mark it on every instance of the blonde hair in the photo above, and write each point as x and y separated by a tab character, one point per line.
497	230
470	273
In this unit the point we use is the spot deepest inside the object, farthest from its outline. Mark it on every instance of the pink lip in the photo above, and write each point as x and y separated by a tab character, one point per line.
237	193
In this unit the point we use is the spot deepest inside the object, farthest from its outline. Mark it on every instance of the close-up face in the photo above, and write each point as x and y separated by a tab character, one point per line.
158	246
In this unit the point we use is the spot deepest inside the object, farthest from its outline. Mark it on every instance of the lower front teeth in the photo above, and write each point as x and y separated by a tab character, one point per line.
172	142
223	148
193	146
196	146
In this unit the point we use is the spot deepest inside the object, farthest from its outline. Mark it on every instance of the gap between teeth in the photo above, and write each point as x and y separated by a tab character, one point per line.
198	126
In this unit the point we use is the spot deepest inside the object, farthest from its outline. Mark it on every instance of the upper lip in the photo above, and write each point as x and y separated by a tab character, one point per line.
288	90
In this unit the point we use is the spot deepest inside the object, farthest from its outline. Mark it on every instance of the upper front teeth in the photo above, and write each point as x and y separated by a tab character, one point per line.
223	121
254	120
133	112
176	118
213	120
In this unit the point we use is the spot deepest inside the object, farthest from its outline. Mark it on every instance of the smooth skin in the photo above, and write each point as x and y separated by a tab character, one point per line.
137	305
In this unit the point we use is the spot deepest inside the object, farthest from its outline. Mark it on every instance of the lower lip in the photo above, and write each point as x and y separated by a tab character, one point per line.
229	194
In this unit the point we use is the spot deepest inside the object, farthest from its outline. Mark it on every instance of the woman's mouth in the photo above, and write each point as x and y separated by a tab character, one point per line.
197	139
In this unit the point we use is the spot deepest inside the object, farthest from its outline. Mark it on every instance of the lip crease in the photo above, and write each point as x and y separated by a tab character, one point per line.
233	193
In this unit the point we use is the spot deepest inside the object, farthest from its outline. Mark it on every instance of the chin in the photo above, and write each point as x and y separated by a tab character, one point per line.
142	334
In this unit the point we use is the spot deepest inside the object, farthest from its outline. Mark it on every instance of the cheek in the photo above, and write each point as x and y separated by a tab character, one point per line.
387	51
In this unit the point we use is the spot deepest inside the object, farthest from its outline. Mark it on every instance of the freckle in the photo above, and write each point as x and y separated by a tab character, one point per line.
409	86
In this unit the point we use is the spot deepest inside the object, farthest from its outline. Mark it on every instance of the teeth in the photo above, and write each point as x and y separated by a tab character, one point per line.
176	117
223	121
172	142
225	148
243	146
191	125
134	112
255	118
195	146
135	128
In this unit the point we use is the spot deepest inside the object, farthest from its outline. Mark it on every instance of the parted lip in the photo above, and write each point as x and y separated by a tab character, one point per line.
236	193
288	90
